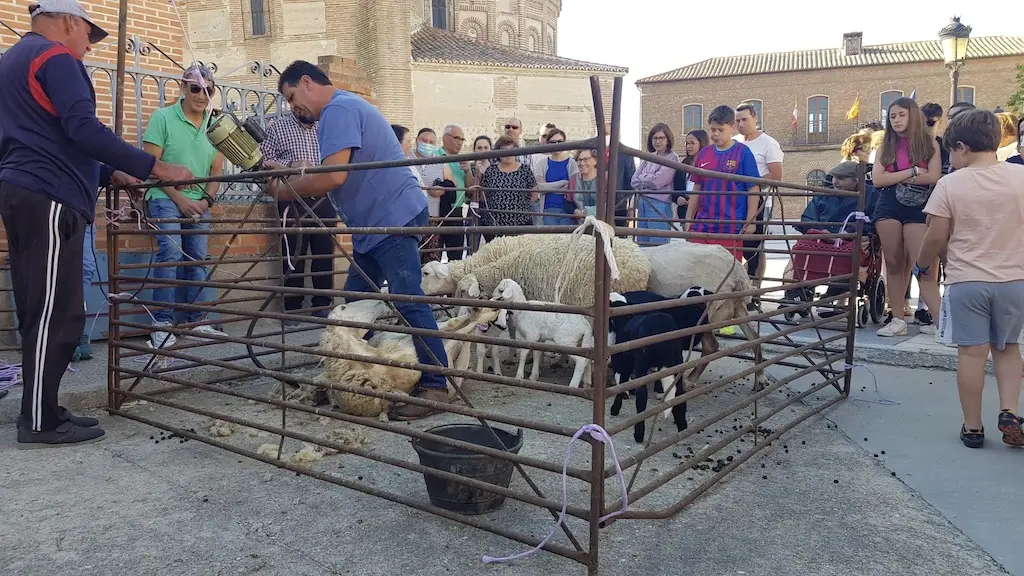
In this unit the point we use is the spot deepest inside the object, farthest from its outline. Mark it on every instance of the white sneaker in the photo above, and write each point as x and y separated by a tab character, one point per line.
161	339
207	330
928	329
897	327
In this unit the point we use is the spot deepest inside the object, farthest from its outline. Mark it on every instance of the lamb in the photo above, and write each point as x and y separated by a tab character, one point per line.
382	377
686	316
639	361
468	287
562	262
677	266
560	328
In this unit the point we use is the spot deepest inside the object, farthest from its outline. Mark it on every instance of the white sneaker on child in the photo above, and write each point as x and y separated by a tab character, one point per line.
896	327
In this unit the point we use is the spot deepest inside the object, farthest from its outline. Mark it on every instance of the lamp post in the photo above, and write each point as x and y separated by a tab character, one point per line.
954	39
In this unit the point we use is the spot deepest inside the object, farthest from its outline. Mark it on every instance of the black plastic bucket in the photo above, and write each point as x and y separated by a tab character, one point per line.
458	497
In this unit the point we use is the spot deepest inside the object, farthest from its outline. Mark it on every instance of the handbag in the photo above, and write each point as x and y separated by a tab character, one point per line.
912	195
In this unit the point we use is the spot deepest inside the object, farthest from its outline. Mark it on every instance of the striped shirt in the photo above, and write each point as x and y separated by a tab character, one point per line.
737	159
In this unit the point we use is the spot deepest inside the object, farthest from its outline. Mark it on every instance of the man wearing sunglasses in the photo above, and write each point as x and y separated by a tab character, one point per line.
54	156
177	133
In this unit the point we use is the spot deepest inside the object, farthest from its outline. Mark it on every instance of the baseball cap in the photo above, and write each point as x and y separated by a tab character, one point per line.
73	8
845	169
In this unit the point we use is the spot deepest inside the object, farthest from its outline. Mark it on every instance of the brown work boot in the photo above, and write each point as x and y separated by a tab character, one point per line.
403	411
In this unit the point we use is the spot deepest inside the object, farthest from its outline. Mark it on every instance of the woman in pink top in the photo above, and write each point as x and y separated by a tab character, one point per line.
651	177
907	166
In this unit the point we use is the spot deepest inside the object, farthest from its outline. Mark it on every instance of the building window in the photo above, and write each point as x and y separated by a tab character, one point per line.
532	40
506	38
965	94
693	117
817	120
816	178
439	14
758	105
259	18
885	100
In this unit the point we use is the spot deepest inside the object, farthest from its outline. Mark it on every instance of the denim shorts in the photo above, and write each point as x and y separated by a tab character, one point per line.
889	208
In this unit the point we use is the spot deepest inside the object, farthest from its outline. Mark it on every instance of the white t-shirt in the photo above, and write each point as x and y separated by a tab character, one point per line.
766	151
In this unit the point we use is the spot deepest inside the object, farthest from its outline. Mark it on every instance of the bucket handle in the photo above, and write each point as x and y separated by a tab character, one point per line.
597	433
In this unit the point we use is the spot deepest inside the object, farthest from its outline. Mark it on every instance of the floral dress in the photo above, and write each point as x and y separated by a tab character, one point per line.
499	194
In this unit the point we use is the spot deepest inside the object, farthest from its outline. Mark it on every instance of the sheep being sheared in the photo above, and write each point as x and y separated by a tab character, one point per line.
558	327
383	378
677	266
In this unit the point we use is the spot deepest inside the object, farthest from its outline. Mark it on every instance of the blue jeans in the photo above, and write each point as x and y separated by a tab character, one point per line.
88	261
169	249
650	208
397	260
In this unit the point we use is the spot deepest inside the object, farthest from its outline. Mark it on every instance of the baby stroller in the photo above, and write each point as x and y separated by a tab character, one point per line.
835	258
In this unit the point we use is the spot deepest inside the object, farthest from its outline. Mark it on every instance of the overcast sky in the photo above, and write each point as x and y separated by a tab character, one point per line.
652	36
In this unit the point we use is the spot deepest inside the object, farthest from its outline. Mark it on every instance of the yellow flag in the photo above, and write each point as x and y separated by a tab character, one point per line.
854	110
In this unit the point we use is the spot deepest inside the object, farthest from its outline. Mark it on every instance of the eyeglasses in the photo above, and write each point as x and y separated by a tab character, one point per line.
457	138
555	141
511	127
196	89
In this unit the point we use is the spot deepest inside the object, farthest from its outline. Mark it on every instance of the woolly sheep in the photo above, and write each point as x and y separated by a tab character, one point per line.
558	327
676	266
442	278
537	269
468	287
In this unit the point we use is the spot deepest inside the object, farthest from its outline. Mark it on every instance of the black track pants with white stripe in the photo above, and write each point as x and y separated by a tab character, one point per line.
45	242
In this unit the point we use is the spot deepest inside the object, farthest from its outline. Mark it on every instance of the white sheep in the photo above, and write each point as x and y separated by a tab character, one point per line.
677	266
468	287
382	377
537	262
442	278
558	327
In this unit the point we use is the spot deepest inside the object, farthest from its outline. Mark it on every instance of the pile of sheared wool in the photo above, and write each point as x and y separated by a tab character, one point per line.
219	428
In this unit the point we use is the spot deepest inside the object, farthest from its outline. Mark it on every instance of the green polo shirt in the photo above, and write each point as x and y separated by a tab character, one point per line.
460	178
182	143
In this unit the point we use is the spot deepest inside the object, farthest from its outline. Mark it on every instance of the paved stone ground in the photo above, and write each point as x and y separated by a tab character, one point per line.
129	505
924	505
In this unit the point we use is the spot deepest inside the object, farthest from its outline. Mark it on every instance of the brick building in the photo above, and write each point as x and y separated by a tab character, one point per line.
822	86
428	62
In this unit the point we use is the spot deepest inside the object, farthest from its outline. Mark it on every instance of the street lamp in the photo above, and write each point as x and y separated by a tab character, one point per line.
954	39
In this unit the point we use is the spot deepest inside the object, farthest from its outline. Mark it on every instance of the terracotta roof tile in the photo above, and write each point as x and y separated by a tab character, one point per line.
435	46
830	58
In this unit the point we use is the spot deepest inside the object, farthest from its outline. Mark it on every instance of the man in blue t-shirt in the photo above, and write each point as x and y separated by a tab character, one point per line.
351	131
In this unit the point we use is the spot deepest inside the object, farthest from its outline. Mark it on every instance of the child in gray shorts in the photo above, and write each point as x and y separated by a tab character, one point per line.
975	216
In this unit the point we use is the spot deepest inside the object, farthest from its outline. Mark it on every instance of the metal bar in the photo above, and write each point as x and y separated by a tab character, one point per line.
122	50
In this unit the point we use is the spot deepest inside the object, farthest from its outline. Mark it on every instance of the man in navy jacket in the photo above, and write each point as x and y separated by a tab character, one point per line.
54	155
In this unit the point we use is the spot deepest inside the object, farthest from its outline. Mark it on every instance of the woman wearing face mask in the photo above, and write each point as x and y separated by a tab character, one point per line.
434	178
696	140
651	177
906	168
582	193
553	173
